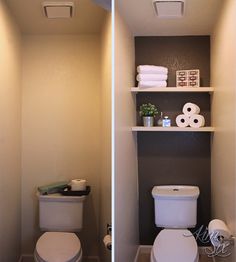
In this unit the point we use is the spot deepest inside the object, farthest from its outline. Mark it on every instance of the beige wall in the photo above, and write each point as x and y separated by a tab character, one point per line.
126	173
61	125
105	179
223	77
10	99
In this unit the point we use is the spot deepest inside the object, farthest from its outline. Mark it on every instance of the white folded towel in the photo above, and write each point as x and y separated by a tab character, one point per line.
152	84
151	77
151	69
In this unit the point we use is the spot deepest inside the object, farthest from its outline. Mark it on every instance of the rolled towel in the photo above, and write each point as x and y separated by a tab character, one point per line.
182	120
52	188
190	109
152	84
196	121
151	77
151	69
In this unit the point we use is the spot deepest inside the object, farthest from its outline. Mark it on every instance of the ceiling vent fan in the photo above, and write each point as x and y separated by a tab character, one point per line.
169	8
58	9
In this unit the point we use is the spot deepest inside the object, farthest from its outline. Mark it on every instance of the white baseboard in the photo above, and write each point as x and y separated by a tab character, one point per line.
143	249
30	258
137	254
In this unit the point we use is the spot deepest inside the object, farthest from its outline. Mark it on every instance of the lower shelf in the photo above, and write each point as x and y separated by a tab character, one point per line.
172	129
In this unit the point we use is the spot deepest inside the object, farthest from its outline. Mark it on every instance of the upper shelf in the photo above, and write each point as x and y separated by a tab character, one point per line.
173	89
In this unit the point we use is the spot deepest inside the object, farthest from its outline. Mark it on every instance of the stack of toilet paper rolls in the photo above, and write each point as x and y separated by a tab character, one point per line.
190	117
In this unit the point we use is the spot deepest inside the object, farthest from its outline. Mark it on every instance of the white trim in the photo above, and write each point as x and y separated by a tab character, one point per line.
137	254
143	249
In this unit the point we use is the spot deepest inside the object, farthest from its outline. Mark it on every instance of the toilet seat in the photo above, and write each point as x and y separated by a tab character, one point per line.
58	247
175	245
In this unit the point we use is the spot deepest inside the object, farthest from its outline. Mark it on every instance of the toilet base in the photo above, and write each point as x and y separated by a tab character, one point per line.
152	258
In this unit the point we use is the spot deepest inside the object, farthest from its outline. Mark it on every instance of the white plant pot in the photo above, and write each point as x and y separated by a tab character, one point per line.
148	121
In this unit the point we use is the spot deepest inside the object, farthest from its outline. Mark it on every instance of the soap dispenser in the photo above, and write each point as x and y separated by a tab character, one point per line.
166	122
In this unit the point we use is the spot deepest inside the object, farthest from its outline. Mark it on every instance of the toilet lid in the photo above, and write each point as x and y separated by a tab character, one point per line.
58	247
175	245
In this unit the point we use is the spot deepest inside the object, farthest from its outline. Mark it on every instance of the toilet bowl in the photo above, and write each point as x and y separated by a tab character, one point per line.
59	247
175	245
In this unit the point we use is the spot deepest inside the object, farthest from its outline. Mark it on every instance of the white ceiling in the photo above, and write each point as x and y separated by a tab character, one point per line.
88	18
199	19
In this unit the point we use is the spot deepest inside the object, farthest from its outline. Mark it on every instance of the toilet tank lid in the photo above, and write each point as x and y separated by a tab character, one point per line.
60	198
175	192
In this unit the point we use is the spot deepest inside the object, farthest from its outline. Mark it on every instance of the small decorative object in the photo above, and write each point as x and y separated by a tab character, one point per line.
166	122
148	112
188	78
160	120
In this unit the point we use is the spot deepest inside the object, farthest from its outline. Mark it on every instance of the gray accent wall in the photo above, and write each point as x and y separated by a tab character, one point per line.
175	157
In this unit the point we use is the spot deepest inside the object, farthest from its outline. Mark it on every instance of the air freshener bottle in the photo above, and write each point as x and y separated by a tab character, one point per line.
166	122
160	120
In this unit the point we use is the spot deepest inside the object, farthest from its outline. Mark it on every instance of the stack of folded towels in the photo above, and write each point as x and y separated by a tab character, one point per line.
152	76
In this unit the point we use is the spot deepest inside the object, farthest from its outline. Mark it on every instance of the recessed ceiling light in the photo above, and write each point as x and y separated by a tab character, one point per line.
169	8
58	9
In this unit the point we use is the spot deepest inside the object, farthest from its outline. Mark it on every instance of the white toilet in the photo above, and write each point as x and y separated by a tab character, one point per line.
175	211
59	216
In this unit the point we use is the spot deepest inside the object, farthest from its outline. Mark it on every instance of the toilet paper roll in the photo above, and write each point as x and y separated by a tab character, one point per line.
107	240
78	184
190	109
218	231
182	120
196	121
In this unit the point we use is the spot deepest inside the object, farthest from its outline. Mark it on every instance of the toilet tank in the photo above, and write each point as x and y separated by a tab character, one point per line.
175	206
61	213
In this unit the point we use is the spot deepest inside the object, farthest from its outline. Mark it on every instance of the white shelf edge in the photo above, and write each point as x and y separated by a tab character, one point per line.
172	129
173	89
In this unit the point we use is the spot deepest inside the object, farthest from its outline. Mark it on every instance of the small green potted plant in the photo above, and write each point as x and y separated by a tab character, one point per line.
148	112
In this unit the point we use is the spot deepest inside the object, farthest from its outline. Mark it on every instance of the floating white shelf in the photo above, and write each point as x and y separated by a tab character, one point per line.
173	89
172	129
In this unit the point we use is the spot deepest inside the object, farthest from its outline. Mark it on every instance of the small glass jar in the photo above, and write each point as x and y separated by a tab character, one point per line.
166	122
